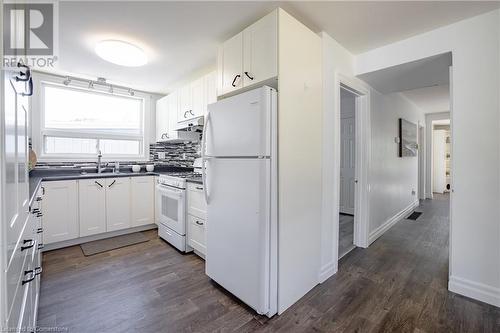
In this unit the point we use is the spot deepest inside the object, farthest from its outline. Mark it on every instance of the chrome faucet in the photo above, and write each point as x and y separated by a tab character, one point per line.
99	157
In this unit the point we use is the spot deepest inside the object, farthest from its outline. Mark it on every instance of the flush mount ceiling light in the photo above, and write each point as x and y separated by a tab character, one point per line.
121	53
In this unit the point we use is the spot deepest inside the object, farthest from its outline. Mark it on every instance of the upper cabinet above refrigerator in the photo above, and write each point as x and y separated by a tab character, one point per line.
250	57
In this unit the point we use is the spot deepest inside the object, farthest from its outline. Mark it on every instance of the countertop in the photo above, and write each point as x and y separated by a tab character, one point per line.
37	176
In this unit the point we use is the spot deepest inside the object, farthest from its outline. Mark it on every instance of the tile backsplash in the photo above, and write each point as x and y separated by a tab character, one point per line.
175	154
179	154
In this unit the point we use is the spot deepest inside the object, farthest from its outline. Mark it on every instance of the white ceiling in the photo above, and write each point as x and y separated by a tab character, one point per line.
181	38
430	99
422	73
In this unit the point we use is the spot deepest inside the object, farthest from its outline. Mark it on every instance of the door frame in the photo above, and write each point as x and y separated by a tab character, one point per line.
421	161
363	151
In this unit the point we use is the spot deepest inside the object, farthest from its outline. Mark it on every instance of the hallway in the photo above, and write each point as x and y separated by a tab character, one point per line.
398	284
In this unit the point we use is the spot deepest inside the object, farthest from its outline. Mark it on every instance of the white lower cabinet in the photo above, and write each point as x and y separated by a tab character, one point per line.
92	206
197	211
86	207
196	234
142	201
117	203
60	211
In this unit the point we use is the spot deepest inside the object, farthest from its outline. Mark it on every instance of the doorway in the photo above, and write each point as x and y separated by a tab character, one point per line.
347	171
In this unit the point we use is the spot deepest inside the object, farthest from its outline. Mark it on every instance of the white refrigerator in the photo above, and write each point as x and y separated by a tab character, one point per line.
239	173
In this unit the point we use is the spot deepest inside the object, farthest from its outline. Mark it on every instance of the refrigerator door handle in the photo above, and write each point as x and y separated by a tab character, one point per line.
204	158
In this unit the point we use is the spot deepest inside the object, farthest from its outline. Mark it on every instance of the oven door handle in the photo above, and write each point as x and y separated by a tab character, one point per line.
177	193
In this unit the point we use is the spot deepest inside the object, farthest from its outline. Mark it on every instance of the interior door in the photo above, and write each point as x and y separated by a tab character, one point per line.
240	125
238	228
347	165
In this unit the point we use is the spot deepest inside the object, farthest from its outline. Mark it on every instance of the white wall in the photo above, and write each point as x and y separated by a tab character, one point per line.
299	167
392	178
429	118
475	123
336	61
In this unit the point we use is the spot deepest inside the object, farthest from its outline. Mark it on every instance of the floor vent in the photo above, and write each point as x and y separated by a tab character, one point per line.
413	216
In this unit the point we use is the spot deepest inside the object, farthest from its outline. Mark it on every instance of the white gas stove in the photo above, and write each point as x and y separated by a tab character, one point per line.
176	179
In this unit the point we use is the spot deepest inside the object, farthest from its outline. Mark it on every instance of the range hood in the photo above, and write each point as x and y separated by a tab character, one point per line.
191	125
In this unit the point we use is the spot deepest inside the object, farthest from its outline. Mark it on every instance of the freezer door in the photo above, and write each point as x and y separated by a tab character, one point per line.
238	228
240	125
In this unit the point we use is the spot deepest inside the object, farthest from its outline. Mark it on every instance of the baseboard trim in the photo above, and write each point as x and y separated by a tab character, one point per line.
390	222
327	271
475	290
81	240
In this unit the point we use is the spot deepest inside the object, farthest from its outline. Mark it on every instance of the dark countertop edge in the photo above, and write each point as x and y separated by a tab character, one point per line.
36	182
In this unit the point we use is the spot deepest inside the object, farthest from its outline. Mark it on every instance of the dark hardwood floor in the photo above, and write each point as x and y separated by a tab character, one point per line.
399	284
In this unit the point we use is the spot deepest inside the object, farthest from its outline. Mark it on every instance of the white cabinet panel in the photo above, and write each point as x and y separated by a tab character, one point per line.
198	104
210	90
231	65
260	50
60	211
196	201
142	203
196	234
162	119
117	203
185	103
92	207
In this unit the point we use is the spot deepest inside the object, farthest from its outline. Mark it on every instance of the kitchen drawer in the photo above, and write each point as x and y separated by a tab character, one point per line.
20	313
19	259
171	237
196	201
196	234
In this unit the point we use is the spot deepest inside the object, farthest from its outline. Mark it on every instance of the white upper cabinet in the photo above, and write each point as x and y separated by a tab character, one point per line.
211	90
185	103
117	203
230	64
162	119
260	50
250	57
92	194
60	211
143	200
166	117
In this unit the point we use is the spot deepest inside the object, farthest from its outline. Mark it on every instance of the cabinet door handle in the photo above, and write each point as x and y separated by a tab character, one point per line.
39	215
199	223
38	270
185	114
38	198
35	211
31	276
43	190
23	76
30	243
248	75
30	88
40	246
112	183
164	136
199	187
39	230
97	183
191	111
234	80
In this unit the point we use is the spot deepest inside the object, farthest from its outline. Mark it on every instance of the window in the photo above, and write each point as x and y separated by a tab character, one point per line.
77	123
